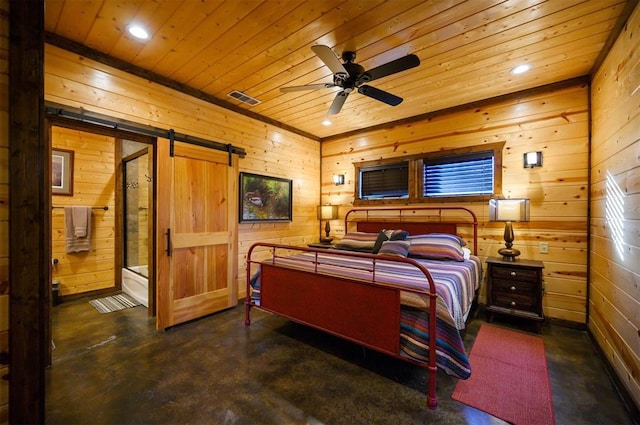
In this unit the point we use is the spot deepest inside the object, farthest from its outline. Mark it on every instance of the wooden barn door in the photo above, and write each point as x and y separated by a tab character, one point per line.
197	233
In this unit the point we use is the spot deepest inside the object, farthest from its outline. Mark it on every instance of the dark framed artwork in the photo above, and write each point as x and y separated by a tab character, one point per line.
62	172
264	198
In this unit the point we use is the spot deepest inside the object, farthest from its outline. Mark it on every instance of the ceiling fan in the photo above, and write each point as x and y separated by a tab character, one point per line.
350	76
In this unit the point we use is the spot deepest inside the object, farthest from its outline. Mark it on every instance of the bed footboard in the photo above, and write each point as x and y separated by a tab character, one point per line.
357	311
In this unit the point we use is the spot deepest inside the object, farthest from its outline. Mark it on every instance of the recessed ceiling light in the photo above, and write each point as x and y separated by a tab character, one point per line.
326	122
520	69
138	32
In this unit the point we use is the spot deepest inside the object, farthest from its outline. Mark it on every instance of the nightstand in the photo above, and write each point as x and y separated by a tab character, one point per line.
321	245
515	288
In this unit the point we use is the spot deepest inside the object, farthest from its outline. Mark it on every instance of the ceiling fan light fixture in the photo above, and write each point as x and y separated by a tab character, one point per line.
138	31
520	69
326	122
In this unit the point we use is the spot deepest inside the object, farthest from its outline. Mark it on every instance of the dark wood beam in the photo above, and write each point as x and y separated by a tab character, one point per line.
29	215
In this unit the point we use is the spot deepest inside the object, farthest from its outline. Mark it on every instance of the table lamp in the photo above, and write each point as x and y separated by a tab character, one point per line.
327	212
509	210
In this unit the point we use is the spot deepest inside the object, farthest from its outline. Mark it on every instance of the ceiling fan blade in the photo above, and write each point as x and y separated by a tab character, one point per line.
338	101
381	95
398	65
329	58
307	87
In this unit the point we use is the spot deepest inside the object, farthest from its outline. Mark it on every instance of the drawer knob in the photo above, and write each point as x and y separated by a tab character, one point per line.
513	303
513	273
513	288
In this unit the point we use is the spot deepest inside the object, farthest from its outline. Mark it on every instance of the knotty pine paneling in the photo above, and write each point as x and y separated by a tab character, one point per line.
4	205
94	186
554	122
615	190
79	82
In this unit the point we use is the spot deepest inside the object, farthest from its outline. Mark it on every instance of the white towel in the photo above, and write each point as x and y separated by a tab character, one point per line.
77	223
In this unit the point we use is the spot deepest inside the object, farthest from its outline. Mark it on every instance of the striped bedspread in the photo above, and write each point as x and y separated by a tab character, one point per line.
456	283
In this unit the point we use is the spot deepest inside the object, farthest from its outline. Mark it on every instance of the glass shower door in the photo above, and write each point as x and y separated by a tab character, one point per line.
137	217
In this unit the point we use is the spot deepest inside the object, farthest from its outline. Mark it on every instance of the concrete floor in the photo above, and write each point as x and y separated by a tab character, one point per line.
116	369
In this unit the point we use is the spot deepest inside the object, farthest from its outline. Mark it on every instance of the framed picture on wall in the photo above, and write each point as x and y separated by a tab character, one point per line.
62	172
264	198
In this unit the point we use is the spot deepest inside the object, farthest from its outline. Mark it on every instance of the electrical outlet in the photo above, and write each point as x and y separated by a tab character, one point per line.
543	248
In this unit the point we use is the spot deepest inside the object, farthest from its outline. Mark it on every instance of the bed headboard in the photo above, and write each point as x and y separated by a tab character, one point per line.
459	221
413	228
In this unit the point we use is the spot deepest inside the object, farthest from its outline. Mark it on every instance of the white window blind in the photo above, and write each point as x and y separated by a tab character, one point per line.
459	175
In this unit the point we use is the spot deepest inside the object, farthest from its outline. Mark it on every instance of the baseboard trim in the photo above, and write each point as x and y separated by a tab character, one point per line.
627	400
567	323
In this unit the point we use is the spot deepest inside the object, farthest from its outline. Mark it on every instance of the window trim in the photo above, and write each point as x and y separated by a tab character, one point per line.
416	182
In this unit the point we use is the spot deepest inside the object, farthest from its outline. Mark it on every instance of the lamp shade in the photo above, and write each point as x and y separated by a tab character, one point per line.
514	209
327	212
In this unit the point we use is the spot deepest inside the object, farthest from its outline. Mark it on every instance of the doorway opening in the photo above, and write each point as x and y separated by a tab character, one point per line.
106	165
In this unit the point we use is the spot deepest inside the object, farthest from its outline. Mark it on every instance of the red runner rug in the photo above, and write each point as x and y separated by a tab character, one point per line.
509	377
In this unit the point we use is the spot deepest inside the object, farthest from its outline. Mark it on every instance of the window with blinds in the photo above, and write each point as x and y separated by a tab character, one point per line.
459	175
467	174
384	181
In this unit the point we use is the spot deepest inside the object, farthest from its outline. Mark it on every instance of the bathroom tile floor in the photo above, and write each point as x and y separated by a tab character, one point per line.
117	369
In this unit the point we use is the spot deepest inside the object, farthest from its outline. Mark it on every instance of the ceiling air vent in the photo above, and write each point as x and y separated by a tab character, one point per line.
244	98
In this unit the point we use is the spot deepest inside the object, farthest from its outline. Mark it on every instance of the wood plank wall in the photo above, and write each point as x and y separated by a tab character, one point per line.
79	82
614	299
93	186
4	209
554	122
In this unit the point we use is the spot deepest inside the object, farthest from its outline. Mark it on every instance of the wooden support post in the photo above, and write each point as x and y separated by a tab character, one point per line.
29	215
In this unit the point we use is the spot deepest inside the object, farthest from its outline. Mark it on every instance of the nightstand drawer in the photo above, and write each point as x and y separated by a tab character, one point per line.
514	301
515	287
515	273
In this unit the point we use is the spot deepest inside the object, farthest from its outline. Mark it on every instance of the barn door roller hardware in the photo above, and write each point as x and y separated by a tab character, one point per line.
81	114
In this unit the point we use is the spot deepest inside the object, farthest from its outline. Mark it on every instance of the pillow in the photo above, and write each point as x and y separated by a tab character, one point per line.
389	235
397	235
436	246
396	248
448	236
358	241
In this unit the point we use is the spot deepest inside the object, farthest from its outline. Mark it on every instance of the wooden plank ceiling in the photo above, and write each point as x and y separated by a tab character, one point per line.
466	49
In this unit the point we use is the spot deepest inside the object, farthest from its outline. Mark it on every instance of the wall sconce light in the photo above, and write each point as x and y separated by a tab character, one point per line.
532	159
509	210
327	212
338	179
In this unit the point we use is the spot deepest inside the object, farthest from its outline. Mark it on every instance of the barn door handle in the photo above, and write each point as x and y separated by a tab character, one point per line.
168	250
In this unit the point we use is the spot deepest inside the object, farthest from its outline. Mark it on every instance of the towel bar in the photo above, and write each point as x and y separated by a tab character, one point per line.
93	208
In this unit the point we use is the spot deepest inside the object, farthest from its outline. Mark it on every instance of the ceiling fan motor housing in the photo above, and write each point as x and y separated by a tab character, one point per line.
354	79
